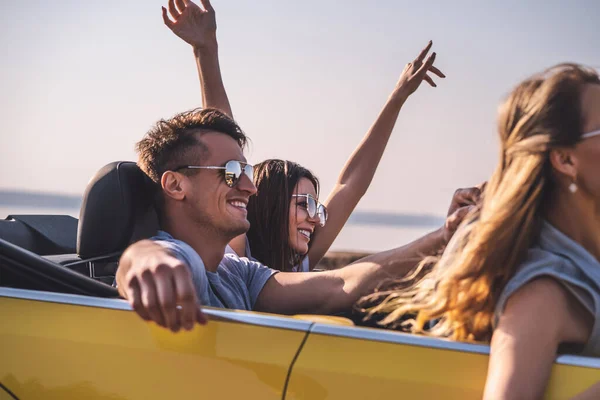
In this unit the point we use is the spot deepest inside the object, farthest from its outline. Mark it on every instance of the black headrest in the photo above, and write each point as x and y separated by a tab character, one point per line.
117	209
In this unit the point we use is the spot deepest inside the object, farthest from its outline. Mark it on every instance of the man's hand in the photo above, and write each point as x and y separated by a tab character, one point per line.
197	26
159	287
463	202
416	72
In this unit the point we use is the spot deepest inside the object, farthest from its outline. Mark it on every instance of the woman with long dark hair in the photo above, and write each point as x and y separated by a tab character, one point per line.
290	229
523	270
282	221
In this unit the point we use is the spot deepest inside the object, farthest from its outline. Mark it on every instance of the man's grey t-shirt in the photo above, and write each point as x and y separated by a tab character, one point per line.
236	284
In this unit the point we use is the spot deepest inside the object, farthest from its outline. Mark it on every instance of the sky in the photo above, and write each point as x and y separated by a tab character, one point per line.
82	81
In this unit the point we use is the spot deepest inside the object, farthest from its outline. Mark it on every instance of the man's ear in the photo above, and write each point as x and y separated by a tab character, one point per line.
565	162
171	183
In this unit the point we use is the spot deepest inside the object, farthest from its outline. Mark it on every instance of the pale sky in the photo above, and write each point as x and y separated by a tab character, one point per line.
82	81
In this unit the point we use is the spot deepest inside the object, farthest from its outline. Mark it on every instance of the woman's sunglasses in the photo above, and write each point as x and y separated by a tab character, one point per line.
233	171
313	207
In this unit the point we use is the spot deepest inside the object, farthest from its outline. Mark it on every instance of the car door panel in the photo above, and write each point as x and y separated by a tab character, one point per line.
54	350
5	393
363	363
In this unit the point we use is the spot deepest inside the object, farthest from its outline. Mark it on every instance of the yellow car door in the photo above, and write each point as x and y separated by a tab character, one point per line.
346	363
61	346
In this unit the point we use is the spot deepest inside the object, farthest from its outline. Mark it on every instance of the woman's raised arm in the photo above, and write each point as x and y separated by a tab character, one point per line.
198	27
357	174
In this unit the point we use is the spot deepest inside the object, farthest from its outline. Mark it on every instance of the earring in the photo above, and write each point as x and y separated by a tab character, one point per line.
573	187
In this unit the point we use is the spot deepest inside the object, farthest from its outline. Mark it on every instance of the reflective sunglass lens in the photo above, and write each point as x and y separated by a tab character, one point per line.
312	206
322	215
249	171
233	171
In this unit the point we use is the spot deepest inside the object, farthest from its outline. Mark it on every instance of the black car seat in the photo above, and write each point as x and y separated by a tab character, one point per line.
117	210
45	235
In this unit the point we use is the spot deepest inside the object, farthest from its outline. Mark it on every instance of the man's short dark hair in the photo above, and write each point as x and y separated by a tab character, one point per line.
173	142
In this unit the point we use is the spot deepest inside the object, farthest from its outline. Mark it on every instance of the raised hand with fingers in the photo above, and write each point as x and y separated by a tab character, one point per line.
417	71
194	24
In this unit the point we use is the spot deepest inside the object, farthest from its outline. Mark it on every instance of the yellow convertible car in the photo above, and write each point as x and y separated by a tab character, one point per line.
65	334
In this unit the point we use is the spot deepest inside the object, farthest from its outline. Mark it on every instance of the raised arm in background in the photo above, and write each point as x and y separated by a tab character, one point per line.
357	174
198	27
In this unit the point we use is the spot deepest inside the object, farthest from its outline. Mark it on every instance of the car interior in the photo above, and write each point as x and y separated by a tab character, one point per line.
64	254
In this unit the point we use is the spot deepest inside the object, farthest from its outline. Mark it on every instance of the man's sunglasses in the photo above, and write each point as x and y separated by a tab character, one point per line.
313	207
233	171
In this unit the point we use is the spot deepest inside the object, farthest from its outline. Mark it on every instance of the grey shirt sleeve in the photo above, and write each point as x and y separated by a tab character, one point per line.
188	256
543	264
255	276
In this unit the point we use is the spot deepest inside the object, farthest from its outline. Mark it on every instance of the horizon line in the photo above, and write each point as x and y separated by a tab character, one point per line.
49	200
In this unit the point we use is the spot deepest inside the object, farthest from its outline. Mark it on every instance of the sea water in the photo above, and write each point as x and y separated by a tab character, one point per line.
359	237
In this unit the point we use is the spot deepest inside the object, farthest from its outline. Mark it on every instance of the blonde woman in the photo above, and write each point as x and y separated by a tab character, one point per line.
523	271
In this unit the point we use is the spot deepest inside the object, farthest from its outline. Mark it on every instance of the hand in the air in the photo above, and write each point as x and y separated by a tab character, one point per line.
417	71
197	26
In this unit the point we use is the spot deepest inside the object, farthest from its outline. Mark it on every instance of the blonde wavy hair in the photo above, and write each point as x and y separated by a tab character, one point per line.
459	290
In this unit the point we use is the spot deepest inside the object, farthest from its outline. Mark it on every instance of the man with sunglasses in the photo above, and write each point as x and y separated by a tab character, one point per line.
196	161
